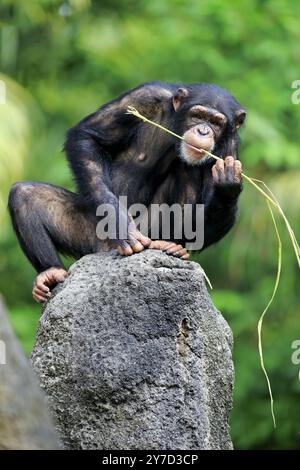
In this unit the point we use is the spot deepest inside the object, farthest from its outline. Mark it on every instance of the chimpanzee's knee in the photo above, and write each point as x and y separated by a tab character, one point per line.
19	195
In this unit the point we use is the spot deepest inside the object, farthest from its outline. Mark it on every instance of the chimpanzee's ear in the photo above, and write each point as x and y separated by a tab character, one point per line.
240	117
179	98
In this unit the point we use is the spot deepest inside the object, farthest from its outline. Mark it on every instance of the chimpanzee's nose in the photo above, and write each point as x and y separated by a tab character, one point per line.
203	129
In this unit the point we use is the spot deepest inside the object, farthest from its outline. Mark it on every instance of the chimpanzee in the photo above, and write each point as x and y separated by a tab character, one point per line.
114	154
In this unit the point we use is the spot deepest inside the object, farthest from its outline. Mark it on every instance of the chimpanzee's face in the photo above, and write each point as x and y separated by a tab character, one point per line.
204	127
208	118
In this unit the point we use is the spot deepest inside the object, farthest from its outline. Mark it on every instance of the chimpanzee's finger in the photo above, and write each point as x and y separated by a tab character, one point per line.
145	241
40	284
220	170
38	291
215	174
174	249
229	168
168	247
38	298
125	249
136	246
61	278
180	253
237	171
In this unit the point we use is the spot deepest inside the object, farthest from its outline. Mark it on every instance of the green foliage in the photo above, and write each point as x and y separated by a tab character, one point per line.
72	56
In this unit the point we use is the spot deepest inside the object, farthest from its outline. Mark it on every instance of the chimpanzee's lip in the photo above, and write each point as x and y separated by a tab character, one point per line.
200	152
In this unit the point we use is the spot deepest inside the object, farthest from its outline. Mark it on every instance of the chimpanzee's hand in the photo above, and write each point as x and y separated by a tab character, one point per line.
135	243
227	176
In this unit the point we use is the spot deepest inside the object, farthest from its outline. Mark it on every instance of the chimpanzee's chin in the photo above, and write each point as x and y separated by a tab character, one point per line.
198	162
193	160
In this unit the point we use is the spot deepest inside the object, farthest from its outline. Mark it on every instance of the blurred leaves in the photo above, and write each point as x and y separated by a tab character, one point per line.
72	56
15	129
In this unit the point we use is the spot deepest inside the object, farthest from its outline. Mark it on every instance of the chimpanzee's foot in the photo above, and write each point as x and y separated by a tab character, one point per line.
170	248
45	281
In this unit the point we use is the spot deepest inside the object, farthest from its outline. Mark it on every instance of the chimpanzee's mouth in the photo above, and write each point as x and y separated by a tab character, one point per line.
193	155
199	151
197	145
196	152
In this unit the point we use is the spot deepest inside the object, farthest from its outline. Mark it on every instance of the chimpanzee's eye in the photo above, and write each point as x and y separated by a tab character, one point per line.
196	120
210	115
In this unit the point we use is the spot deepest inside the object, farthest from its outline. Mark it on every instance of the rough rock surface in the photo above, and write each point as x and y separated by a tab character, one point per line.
133	355
24	419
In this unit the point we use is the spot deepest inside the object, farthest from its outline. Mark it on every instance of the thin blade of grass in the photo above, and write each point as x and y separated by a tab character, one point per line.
260	322
206	278
288	225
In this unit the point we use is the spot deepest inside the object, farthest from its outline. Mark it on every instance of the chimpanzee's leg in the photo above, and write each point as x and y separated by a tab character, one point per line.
47	220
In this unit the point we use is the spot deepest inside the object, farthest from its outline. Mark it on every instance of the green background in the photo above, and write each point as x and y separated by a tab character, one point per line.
61	60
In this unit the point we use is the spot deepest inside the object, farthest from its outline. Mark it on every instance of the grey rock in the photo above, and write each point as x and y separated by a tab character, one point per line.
133	355
25	423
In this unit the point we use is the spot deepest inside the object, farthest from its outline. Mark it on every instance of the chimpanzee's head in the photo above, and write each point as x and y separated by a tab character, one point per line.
208	118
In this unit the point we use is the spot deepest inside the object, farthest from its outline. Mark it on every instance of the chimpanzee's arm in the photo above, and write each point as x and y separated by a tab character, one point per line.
221	200
87	149
94	142
87	160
